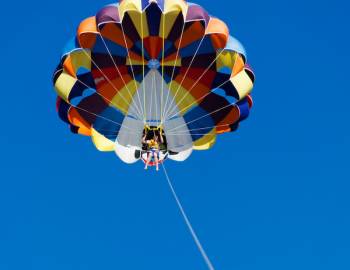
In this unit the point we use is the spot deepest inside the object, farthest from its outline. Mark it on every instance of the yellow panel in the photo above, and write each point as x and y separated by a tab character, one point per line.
226	59
183	104
172	63
205	142
242	83
64	85
128	5
133	62
142	28
122	100
101	142
81	59
168	19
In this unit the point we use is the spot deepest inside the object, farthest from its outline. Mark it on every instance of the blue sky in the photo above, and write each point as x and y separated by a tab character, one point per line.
274	195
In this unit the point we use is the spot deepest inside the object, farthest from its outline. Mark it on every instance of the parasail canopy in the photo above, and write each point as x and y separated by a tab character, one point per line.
163	64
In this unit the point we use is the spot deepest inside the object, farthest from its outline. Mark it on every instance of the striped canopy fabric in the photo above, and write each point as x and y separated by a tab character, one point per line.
164	63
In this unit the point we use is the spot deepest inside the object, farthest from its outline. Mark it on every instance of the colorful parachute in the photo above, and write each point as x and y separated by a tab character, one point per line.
161	65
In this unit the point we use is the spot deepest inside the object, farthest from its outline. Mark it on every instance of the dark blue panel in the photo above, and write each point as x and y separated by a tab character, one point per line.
230	89
129	28
62	108
145	3
109	122
243	108
220	79
198	122
153	14
137	48
218	106
85	81
86	78
103	45
204	47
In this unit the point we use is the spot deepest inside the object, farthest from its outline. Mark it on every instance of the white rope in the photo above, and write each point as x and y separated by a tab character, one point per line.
184	77
143	67
192	129
107	79
105	118
188	223
162	63
117	69
110	101
132	70
189	134
224	107
155	94
197	81
173	72
202	97
153	90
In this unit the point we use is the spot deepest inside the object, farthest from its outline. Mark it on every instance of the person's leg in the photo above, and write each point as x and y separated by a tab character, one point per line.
156	159
149	156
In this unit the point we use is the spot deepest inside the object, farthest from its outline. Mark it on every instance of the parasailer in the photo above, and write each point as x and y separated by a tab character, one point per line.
152	146
164	64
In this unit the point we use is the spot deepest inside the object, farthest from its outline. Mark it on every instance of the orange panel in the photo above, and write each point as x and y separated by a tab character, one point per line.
68	66
207	76
199	91
230	119
219	41
153	45
191	34
107	91
135	56
171	57
223	129
238	65
114	33
217	26
86	33
76	120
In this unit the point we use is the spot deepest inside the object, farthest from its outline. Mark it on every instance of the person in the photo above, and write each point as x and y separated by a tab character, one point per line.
153	148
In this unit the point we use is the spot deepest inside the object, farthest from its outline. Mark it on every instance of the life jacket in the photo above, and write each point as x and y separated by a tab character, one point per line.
153	144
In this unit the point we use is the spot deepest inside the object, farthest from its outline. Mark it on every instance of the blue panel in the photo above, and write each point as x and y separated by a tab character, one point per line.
222	93
243	108
225	70
138	49
205	48
84	82
107	125
230	90
82	71
83	94
167	46
63	108
86	78
113	48
145	3
198	122
153	19
234	45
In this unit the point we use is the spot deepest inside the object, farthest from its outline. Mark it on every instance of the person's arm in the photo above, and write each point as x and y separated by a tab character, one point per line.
161	138
144	139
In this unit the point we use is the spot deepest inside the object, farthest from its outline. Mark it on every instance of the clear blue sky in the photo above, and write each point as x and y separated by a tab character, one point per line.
274	195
